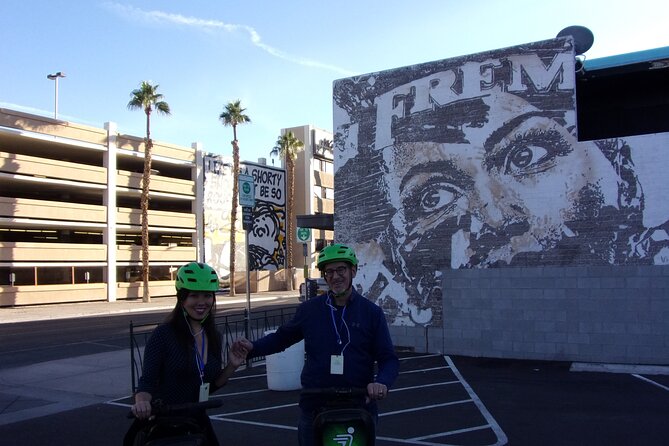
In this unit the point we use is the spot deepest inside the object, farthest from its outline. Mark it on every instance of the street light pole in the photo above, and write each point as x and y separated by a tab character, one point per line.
54	77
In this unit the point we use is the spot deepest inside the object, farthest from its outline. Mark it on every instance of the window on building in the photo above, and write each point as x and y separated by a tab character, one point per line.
51	275
624	99
88	274
14	276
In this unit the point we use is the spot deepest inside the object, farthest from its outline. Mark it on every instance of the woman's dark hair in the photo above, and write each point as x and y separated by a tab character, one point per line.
179	321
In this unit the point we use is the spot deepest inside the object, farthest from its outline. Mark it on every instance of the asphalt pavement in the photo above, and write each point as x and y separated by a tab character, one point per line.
438	400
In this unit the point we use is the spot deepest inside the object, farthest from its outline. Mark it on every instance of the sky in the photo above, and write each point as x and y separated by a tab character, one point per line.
279	58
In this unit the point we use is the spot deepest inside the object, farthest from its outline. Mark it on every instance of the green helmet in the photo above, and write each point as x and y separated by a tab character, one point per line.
336	253
196	276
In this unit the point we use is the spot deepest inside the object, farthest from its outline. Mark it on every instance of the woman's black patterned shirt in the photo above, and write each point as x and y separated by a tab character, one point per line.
170	372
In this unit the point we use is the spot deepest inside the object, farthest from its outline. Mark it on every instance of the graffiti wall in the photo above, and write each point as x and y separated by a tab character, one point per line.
474	162
266	240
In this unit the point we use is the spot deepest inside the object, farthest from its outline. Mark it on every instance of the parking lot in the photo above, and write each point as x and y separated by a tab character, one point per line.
439	400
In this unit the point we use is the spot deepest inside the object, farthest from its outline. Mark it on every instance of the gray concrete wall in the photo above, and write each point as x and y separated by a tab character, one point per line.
591	314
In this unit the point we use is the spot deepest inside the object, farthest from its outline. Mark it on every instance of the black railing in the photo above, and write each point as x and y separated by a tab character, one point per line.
231	327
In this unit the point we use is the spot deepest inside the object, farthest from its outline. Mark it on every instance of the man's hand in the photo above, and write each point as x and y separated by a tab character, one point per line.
236	358
241	347
376	391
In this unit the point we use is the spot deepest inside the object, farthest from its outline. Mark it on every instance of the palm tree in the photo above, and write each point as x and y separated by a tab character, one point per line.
147	98
233	115
288	146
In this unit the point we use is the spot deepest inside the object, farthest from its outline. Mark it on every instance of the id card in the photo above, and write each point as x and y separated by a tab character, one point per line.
337	364
204	392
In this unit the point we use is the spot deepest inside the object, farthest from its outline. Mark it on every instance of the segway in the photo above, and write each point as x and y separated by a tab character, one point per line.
174	425
343	421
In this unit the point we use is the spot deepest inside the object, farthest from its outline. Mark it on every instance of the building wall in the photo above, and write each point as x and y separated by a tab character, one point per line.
70	214
314	173
484	227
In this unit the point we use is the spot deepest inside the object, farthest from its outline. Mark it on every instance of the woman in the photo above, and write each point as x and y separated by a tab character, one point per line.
182	358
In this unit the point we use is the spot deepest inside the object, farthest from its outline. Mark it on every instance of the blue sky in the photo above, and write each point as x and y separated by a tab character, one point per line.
278	58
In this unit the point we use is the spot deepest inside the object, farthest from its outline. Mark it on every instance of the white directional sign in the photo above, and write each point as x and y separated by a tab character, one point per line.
247	193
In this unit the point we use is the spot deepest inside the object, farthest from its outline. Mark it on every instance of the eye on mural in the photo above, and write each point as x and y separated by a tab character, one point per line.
267	240
474	162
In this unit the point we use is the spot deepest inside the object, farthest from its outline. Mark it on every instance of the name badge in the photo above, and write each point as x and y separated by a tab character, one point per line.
204	392
337	364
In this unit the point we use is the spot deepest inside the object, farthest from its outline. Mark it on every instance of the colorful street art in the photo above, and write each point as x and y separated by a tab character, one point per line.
474	162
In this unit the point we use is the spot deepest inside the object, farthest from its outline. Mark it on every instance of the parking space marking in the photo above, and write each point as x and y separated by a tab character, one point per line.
262	409
501	436
468	397
643	378
253	423
422	386
455	432
428	407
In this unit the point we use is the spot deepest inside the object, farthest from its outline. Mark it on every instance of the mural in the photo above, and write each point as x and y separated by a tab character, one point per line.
217	206
474	162
266	240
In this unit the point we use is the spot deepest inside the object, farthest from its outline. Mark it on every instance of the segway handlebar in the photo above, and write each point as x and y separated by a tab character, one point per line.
159	408
344	392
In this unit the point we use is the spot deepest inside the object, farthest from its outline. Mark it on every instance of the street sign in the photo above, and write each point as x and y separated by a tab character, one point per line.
303	235
247	218
247	193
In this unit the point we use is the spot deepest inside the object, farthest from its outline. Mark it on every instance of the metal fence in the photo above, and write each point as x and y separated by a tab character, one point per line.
231	327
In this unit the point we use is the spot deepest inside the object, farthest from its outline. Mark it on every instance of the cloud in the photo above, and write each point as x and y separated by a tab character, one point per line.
203	25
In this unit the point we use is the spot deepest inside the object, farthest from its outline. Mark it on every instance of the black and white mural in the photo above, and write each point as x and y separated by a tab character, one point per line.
267	239
474	162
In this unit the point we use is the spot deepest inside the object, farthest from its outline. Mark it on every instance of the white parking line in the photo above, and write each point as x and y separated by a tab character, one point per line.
501	436
431	406
643	378
253	423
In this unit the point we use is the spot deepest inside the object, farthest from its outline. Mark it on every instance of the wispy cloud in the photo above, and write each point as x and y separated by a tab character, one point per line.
160	17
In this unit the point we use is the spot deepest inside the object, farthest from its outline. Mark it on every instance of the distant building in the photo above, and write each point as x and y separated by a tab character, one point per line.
70	226
314	190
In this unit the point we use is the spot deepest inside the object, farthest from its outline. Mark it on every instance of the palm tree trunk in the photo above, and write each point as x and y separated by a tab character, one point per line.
233	213
289	225
144	204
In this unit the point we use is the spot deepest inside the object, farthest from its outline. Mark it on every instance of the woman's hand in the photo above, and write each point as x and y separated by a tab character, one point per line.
242	347
142	407
236	357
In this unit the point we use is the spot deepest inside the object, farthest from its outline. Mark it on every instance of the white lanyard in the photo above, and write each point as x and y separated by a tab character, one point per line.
334	324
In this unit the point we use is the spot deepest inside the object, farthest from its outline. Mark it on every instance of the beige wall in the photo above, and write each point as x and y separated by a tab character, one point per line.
60	166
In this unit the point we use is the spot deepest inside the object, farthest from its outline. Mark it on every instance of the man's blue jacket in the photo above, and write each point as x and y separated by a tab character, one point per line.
362	337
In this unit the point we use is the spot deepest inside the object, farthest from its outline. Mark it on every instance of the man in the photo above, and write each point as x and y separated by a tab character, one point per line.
344	335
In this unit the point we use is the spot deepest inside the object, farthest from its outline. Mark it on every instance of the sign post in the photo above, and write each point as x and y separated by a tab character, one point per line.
247	200
304	236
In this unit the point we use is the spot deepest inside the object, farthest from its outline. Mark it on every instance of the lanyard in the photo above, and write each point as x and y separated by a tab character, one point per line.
334	324
199	361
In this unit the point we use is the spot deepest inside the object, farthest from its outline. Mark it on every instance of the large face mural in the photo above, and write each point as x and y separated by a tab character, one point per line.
475	163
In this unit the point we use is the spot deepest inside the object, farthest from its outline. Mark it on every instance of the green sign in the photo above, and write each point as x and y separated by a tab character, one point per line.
303	235
247	196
